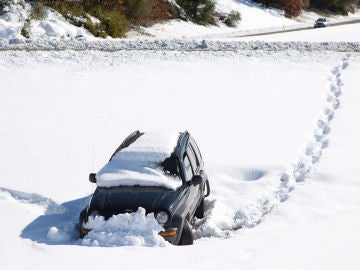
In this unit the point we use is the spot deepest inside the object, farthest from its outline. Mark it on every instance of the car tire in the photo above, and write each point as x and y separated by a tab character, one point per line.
187	237
200	210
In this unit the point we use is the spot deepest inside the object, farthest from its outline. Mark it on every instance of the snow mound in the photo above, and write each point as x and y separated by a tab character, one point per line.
57	235
13	18
114	45
135	229
57	26
138	164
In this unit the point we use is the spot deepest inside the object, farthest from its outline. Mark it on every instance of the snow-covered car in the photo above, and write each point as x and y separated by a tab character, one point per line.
162	172
321	22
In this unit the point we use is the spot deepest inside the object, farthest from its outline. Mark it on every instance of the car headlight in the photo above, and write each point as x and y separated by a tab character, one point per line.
162	217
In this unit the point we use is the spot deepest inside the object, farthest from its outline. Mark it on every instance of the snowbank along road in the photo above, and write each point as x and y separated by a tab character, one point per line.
171	45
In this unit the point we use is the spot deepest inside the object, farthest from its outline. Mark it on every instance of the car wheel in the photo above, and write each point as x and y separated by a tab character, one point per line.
199	213
186	235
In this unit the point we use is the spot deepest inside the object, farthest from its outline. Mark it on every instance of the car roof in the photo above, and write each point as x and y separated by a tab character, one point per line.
179	146
136	160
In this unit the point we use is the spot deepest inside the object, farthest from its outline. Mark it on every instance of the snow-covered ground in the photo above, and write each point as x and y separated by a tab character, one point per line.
278	131
276	124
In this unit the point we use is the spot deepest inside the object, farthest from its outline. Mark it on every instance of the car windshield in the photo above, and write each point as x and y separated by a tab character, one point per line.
171	166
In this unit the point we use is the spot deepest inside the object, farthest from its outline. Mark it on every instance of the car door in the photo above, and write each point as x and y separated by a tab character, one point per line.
196	189
192	190
200	167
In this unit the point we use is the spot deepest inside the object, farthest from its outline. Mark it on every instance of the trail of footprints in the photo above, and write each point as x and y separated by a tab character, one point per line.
311	154
253	214
313	150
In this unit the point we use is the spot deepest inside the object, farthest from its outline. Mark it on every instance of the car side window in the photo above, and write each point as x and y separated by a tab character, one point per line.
188	171
196	149
194	162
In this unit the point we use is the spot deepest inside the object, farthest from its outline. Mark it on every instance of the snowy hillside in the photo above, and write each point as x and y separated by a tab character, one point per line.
254	18
252	14
16	13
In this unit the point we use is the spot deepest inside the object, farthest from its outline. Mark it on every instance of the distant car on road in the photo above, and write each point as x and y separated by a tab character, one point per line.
162	173
321	22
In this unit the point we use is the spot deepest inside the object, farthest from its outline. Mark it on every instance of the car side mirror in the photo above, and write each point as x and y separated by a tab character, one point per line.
92	177
196	180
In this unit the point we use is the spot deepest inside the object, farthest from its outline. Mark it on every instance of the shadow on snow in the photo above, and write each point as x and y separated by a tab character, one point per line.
58	224
66	220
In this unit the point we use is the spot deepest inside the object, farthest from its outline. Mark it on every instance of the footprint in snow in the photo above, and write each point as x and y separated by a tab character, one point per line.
335	89
329	113
345	65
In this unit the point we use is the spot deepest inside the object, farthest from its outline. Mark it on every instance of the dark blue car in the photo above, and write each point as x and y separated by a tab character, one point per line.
163	174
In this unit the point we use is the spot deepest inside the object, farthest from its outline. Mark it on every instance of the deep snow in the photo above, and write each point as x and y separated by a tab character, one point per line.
254	135
137	229
276	124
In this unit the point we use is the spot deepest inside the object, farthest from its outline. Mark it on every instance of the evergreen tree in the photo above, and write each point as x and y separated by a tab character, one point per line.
306	3
338	6
199	11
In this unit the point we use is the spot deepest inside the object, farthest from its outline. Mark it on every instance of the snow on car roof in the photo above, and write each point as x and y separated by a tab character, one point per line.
138	164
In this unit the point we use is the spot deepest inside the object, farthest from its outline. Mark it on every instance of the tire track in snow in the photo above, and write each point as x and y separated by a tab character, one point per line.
253	214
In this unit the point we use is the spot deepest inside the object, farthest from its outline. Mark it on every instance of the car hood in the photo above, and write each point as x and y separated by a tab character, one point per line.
112	201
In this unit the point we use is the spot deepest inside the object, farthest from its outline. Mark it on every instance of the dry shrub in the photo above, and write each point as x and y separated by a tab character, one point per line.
292	8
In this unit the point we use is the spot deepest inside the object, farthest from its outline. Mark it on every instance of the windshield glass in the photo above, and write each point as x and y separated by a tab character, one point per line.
171	166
